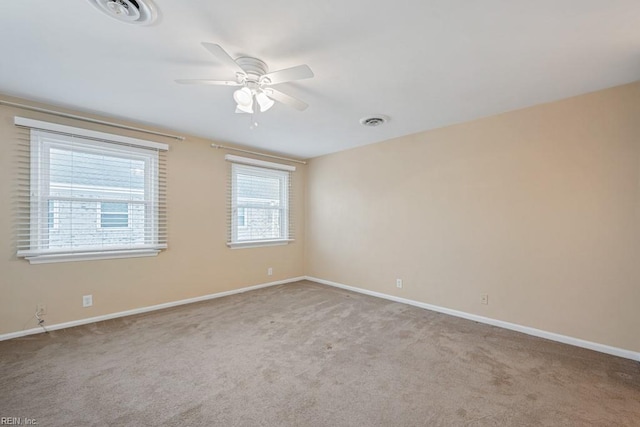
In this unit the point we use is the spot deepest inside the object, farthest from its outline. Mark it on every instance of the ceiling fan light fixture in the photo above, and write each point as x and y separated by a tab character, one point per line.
245	108
264	101
243	97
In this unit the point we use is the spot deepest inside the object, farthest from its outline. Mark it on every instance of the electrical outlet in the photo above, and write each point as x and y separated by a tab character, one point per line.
398	283
484	299
87	300
41	309
269	271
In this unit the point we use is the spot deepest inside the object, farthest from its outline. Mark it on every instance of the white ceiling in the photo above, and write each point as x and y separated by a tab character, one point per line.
424	63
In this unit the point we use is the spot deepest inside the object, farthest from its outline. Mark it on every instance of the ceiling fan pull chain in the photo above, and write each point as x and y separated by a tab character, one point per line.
254	120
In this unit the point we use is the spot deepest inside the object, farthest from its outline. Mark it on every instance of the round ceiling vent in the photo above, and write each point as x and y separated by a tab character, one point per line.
140	12
374	121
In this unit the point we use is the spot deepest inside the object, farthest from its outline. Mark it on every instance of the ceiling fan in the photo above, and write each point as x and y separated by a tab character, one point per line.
256	93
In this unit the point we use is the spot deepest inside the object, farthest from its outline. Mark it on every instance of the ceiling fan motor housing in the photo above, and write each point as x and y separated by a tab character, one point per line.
254	67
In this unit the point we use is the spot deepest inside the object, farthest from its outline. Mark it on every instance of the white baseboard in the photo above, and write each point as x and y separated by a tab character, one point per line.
602	348
143	309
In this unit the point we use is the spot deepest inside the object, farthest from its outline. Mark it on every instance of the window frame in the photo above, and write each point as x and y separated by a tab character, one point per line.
47	136
240	165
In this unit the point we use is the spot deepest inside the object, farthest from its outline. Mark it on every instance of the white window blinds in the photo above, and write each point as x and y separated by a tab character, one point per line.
89	195
259	205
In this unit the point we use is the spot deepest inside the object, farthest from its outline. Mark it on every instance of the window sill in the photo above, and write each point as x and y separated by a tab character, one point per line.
258	243
89	256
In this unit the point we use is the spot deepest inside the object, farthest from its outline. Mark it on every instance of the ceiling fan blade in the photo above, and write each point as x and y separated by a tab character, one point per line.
207	82
286	99
223	56
289	74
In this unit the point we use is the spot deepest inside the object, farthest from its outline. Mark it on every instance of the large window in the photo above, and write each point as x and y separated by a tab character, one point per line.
91	195
260	202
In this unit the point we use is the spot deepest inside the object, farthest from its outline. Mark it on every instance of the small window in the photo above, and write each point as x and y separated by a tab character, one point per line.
259	205
114	215
242	217
53	215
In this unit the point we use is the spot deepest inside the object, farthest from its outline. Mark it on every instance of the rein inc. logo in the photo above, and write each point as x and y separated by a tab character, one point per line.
18	421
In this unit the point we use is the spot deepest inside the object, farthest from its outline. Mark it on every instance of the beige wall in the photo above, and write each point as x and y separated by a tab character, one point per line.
197	262
538	208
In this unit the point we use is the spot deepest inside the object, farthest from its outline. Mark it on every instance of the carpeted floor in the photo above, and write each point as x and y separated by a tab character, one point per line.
305	354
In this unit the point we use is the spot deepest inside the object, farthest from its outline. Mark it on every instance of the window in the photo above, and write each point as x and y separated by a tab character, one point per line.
259	206
114	215
91	195
53	215
242	217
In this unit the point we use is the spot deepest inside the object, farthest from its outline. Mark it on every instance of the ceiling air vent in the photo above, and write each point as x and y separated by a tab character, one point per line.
140	12
374	121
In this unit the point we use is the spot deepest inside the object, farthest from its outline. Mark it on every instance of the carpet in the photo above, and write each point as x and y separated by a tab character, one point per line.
305	354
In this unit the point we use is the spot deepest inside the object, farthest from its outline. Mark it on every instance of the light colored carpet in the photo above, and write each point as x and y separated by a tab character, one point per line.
305	354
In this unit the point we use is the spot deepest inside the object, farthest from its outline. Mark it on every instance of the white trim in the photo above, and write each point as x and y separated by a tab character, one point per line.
258	243
54	127
143	309
602	348
90	256
256	162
